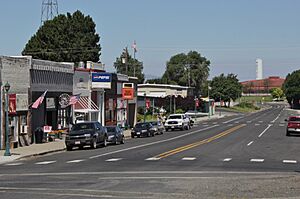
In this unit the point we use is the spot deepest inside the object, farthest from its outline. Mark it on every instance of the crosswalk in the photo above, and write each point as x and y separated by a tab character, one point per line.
186	159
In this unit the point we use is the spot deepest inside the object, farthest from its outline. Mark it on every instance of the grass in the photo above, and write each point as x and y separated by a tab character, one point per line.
245	107
255	99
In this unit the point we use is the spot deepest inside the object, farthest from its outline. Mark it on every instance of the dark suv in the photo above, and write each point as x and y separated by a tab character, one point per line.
86	133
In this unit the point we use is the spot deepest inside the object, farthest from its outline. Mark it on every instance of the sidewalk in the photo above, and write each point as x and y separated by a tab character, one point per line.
59	145
39	149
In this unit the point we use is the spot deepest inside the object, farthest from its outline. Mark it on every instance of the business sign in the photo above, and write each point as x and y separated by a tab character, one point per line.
101	80
50	103
127	93
12	108
22	102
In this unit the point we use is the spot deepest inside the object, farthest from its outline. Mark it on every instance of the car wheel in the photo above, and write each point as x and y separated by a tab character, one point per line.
69	148
288	133
105	142
123	140
138	136
182	128
94	144
81	147
116	141
153	134
132	136
148	134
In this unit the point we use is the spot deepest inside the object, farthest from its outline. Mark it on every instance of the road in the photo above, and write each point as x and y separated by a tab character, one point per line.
242	156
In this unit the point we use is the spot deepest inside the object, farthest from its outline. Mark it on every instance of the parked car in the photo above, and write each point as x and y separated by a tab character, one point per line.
115	135
143	129
293	125
86	133
177	121
158	127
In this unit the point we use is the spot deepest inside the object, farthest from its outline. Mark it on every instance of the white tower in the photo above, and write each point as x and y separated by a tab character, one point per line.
259	69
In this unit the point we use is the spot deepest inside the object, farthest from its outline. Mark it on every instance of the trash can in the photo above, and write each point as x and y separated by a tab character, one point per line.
39	135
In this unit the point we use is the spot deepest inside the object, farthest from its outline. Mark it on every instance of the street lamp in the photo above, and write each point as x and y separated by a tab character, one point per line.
6	88
208	88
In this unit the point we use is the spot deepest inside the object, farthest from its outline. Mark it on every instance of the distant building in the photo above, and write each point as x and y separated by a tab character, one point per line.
259	69
262	85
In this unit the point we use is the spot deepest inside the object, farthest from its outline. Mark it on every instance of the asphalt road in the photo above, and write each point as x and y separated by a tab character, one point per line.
242	156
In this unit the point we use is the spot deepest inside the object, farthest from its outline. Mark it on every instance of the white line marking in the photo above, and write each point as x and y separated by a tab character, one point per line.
14	164
45	162
261	121
276	118
250	143
257	124
257	160
233	120
265	130
237	122
249	122
227	159
189	158
113	159
152	159
281	125
152	143
290	161
205	125
75	161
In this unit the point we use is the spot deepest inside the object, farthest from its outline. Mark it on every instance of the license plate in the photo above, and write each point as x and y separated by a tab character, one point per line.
77	142
138	133
172	127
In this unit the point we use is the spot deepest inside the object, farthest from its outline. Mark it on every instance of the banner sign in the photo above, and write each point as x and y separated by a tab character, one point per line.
127	93
12	104
101	80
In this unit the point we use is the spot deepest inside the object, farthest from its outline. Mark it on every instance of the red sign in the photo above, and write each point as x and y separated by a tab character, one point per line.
127	93
148	103
197	103
12	108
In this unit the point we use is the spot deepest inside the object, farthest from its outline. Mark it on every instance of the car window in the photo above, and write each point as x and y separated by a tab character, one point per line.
82	126
111	129
294	119
154	123
174	117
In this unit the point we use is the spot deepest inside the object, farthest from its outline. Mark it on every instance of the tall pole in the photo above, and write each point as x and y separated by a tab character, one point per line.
0	115
170	104
220	104
174	104
7	150
208	101
145	107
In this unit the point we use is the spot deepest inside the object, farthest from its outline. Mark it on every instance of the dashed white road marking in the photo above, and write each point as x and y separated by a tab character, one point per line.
14	164
276	117
281	125
256	124
265	130
188	158
205	125
290	161
237	122
46	162
257	160
215	122
113	159
261	121
75	161
227	159
250	143
233	120
249	122
152	159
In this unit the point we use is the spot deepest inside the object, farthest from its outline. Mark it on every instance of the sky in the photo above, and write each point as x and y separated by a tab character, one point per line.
232	34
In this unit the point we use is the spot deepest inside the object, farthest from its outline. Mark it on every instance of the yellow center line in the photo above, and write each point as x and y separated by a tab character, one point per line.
189	146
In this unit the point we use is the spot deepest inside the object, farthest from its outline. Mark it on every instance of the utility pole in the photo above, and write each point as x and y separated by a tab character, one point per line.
49	10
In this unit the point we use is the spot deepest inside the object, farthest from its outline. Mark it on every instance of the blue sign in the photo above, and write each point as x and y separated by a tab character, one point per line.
101	80
101	77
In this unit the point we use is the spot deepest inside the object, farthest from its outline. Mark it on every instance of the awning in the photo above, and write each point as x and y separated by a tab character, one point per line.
86	105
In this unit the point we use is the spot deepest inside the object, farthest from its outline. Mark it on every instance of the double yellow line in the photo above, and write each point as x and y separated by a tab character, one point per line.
189	146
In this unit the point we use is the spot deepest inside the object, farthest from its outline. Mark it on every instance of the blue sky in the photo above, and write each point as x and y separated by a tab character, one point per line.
230	33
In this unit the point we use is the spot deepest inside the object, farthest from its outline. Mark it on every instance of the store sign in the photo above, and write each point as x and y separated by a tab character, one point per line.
50	103
12	108
127	93
64	100
22	102
101	80
47	129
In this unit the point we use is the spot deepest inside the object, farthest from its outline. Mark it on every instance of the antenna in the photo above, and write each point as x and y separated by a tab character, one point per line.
49	10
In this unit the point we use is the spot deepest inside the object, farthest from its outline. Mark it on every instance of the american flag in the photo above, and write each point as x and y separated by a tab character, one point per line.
39	100
134	46
74	99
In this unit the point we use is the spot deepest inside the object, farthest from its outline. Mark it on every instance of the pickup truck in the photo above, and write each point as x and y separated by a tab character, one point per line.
177	121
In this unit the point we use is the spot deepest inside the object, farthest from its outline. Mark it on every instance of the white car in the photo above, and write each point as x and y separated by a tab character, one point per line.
177	121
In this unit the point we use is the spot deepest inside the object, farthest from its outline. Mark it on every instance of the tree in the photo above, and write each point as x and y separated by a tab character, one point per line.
125	64
225	88
291	88
277	93
66	38
187	69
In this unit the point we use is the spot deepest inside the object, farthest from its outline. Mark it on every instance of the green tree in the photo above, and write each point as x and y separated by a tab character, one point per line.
291	88
66	38
225	88
277	93
187	69
125	64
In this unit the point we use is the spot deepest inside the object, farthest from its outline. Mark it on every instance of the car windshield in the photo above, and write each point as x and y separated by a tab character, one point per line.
174	117
111	129
82	126
153	123
141	125
294	119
